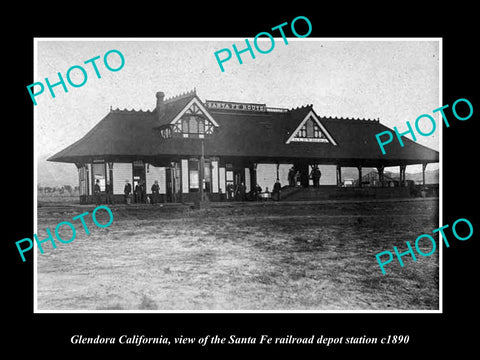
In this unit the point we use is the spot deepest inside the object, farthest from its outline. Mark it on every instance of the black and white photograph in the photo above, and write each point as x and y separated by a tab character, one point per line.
260	188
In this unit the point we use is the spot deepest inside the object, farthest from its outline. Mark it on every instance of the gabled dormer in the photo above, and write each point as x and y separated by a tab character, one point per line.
184	116
310	129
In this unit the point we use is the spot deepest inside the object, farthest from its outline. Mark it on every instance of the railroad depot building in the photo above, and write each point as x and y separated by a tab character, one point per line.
236	143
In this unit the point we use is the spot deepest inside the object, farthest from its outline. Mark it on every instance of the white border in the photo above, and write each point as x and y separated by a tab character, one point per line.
439	311
35	184
440	166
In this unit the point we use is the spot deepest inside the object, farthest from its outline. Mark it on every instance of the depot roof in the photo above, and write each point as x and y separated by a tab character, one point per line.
261	135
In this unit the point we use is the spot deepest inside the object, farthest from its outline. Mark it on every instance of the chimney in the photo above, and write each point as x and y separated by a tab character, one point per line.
160	96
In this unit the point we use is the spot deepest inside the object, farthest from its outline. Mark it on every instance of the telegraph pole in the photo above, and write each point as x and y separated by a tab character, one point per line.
201	174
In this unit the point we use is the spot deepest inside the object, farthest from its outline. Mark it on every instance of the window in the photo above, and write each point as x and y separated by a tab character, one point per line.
193	126
193	175
185	126
98	172
193	123
208	176
201	126
166	133
310	130
81	173
303	132
83	177
309	125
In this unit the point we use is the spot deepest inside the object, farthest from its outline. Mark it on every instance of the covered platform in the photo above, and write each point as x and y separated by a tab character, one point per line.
219	150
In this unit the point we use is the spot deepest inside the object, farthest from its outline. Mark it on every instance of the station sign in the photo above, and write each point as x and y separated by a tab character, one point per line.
227	105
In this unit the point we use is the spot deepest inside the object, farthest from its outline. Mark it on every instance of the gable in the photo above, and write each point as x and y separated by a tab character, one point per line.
194	107
311	129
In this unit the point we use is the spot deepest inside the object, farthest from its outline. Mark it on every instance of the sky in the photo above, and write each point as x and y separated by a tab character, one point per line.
393	80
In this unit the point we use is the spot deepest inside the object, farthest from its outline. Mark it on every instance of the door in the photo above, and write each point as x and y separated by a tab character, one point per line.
303	172
139	190
170	184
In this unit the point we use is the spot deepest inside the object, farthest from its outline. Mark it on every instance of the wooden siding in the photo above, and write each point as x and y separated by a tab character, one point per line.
266	176
283	173
222	177
156	173
329	174
247	180
121	172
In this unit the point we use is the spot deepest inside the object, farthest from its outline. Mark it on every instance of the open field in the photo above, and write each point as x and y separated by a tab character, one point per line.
251	256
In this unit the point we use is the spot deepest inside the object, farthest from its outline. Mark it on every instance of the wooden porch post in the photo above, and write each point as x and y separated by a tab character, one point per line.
339	175
253	175
402	175
380	170
359	167
424	166
201	174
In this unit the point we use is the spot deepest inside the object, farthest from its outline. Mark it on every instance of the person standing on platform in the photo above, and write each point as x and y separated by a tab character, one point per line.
136	194
318	175
108	193
277	189
315	175
230	192
236	192
155	192
143	192
298	178
291	177
257	192
242	190
127	190
97	193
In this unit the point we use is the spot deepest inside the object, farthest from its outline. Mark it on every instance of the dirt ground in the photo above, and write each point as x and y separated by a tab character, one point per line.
239	256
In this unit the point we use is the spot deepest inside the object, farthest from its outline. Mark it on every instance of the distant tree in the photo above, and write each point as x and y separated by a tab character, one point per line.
67	188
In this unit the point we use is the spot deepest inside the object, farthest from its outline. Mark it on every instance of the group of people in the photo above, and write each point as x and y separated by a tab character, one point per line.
297	178
238	192
98	193
140	193
233	192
